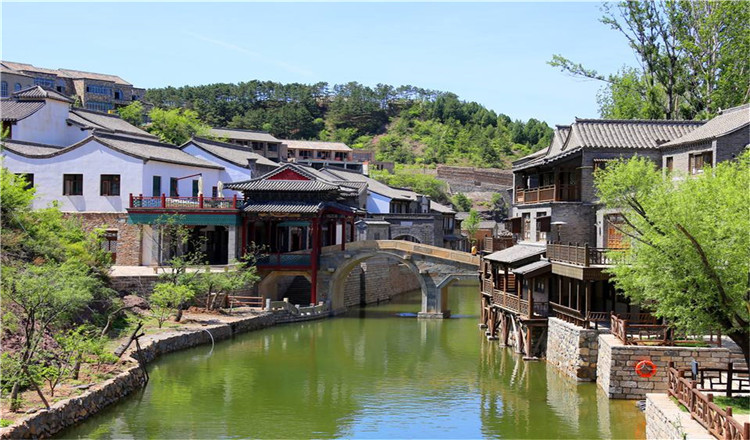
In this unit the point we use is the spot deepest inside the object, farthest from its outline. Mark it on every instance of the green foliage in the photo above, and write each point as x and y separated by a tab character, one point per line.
693	58
176	126
461	202
223	283
167	298
471	225
689	251
132	113
421	183
402	124
4	423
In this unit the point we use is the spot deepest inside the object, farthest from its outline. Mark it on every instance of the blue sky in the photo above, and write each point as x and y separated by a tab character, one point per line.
491	53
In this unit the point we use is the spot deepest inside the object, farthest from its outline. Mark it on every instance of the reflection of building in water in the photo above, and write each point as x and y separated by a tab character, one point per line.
563	397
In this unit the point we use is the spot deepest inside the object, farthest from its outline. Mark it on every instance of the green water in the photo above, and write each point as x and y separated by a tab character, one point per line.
375	373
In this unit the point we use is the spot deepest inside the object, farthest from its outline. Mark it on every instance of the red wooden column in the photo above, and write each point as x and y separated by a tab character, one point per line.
314	261
243	246
343	234
351	234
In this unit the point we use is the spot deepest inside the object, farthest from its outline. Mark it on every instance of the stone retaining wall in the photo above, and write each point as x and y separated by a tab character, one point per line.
616	365
572	349
665	420
65	413
141	285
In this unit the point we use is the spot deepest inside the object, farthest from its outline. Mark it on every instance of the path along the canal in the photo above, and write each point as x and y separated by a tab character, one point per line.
375	373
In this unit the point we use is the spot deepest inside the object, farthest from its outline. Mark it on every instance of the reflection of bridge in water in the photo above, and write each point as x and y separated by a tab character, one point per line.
436	269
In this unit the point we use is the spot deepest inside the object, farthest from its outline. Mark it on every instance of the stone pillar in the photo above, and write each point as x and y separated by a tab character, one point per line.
231	243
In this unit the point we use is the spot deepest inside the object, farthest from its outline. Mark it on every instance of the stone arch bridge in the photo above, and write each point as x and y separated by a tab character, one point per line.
435	267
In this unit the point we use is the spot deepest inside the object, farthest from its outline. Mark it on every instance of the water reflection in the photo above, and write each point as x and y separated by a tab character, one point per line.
371	374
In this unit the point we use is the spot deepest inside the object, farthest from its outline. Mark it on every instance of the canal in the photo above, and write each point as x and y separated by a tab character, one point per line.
377	372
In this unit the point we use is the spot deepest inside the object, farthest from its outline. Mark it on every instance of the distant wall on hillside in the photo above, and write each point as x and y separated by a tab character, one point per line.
476	176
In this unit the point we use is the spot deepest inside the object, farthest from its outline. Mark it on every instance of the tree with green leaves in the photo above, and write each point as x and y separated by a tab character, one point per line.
471	225
688	253
176	126
692	55
461	202
132	113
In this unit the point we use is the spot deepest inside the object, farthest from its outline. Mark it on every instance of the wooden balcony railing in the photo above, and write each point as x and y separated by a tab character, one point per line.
549	193
719	422
579	255
568	315
637	333
199	202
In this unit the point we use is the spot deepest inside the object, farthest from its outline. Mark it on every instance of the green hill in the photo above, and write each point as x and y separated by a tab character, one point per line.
403	124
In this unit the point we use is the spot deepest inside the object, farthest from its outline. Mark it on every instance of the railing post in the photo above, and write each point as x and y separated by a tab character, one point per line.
200	201
730	372
586	254
234	201
131	200
163	200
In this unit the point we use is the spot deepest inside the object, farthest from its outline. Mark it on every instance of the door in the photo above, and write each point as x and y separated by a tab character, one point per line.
615	222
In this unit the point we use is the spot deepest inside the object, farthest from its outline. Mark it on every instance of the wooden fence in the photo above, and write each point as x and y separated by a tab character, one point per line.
719	422
639	333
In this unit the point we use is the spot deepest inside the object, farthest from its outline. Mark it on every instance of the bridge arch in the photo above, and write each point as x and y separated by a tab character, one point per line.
337	284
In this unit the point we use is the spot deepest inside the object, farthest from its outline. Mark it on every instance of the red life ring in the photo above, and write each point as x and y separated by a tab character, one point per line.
645	368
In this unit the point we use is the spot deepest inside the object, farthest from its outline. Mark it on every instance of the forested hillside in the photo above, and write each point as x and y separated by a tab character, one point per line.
403	124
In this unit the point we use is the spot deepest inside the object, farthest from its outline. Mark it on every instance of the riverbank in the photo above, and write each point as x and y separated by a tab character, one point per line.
199	329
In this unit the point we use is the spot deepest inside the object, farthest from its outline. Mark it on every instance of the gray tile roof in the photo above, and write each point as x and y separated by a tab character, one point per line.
29	149
103	121
487	224
152	150
726	122
282	185
372	184
516	253
608	133
443	209
316	145
233	153
302	207
79	74
12	110
20	67
536	267
36	93
244	135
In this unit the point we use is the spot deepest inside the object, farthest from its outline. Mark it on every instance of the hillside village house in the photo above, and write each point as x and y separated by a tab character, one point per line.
557	268
319	154
261	142
96	91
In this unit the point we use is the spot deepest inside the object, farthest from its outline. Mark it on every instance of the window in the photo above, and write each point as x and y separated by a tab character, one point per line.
99	90
670	164
45	83
118	94
109	243
614	224
699	161
214	192
99	106
526	226
29	178
110	185
61	89
72	184
156	186
4	89
7	129
17	87
195	188
543	225
257	146
273	147
173	190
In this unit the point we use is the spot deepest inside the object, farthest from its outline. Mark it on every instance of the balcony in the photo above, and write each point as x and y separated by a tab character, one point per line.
508	300
580	255
545	194
185	203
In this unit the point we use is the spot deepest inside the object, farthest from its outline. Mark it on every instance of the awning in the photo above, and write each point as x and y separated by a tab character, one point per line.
295	223
534	269
516	253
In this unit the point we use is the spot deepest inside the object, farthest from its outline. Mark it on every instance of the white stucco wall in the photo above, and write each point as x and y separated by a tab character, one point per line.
184	186
48	126
231	172
378	204
92	160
